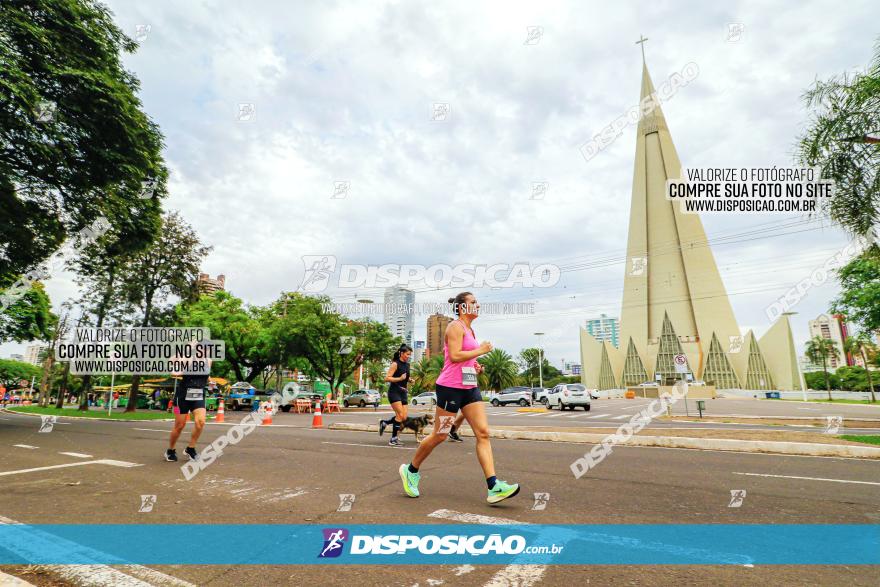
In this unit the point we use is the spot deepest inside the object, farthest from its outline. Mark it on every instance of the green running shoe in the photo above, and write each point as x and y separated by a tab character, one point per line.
502	491
410	481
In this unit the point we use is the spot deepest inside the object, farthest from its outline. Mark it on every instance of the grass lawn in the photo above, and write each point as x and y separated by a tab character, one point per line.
869	439
92	413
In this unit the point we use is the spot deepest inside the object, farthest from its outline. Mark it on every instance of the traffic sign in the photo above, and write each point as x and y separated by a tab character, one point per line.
681	363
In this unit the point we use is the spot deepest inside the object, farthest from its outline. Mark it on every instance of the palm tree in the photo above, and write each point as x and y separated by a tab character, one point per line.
424	374
859	345
499	369
821	349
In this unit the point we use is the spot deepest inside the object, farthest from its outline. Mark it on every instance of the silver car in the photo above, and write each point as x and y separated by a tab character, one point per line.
512	395
427	398
363	398
568	395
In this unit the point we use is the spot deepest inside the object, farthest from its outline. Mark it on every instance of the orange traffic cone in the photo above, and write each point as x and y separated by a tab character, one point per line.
187	416
267	413
220	412
317	422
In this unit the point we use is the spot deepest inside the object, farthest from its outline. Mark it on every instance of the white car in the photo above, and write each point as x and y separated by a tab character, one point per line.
427	398
568	395
594	394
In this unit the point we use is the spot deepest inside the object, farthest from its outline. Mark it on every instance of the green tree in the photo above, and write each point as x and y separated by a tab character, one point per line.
499	369
818	350
859	298
77	145
246	332
169	266
307	331
28	316
860	345
99	267
842	141
12	372
423	375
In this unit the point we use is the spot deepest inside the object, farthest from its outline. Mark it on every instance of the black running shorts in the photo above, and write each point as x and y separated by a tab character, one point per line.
186	406
396	395
453	399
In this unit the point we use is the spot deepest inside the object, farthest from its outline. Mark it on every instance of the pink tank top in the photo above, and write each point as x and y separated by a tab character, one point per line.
450	376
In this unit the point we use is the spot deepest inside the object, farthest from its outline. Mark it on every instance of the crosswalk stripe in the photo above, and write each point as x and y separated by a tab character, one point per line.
623	417
598	416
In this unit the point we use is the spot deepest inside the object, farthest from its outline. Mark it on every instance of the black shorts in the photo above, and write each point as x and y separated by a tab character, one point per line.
396	395
184	405
453	399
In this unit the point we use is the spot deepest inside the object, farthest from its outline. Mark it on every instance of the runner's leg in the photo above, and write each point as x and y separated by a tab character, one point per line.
199	415
433	440
475	414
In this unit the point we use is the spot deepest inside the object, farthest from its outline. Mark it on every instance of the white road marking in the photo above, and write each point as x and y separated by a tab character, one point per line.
471	518
25	446
370	445
598	416
623	417
96	575
110	462
78	455
574	416
151	429
556	415
511	575
808	478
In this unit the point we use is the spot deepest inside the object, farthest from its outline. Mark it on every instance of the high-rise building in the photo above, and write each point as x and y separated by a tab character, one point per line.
16	357
835	329
32	353
207	285
674	302
437	324
399	308
605	328
418	351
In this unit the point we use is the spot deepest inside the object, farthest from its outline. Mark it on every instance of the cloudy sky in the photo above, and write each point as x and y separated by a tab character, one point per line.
345	91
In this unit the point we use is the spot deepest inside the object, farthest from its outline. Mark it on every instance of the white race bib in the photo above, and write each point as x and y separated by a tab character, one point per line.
194	394
469	376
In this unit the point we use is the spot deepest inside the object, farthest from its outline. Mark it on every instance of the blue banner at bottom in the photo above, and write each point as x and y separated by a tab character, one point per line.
368	544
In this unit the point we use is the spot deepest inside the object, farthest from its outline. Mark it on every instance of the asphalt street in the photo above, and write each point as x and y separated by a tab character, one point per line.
96	472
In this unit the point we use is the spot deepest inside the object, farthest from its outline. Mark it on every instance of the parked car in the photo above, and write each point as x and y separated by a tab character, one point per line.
568	395
539	394
362	398
594	394
242	396
426	398
513	395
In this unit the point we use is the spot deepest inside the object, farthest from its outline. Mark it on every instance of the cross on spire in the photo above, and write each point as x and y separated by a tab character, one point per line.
641	41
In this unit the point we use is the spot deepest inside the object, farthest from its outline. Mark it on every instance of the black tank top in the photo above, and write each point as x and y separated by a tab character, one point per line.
402	369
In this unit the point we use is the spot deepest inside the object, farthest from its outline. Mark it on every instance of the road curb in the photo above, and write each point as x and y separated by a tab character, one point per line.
725	444
84	417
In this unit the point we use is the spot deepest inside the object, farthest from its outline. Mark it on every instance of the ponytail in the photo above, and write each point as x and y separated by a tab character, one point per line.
403	349
458	301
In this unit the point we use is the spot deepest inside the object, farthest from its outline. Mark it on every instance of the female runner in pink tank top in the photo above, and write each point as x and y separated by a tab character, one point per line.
457	389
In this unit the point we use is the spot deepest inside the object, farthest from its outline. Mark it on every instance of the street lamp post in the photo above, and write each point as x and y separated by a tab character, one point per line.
361	366
540	360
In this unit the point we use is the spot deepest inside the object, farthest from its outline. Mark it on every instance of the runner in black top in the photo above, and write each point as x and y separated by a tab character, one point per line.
397	378
189	397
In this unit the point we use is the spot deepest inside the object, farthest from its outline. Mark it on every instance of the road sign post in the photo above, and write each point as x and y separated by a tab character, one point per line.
681	367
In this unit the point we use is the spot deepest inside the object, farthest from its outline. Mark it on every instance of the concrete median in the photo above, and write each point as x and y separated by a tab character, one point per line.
725	444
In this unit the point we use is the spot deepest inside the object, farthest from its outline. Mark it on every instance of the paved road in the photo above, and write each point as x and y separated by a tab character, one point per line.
293	474
611	413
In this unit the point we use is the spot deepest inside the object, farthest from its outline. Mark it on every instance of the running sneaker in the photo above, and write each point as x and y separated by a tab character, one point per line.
193	455
395	441
410	481
382	425
502	491
454	437
171	455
